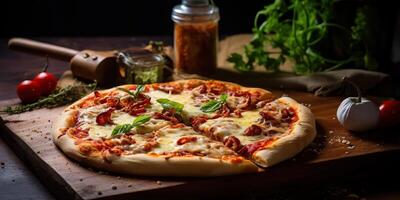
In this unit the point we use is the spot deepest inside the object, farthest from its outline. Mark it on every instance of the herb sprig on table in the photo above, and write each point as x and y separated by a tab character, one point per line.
59	97
299	30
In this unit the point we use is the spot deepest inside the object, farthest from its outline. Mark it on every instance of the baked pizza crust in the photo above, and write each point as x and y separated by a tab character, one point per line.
302	134
143	164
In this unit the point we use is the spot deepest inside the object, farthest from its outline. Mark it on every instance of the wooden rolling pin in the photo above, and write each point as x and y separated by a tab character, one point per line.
100	66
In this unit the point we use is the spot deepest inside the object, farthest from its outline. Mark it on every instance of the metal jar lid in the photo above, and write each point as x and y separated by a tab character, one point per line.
195	11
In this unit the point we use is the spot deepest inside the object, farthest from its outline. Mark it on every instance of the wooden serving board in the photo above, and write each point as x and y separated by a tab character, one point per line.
335	151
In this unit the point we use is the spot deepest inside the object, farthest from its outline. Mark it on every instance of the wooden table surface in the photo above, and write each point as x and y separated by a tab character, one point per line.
376	181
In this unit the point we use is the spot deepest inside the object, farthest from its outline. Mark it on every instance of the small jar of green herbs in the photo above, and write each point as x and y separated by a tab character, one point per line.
141	69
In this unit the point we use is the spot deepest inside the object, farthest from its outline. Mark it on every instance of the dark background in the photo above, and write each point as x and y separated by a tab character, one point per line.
111	18
88	18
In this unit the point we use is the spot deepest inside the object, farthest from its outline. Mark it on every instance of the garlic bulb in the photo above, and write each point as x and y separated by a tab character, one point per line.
357	114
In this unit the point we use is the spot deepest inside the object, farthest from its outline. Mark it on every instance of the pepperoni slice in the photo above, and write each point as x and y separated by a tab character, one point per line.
216	88
266	115
136	108
180	125
253	130
249	149
104	117
168	115
184	140
224	111
112	102
78	132
97	94
148	146
288	115
169	88
232	142
197	121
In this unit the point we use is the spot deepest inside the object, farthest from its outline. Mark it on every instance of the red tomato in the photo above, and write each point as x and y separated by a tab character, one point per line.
389	113
47	81
28	91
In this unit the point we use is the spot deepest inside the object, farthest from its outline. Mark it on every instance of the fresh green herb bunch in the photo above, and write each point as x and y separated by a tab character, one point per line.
59	97
299	29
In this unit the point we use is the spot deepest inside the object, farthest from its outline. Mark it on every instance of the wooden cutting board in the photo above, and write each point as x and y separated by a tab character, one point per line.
335	151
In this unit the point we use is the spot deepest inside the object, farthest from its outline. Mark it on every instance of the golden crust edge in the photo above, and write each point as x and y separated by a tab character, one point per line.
303	133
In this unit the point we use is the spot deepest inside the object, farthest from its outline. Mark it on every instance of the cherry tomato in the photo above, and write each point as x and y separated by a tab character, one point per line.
47	82
389	113
28	91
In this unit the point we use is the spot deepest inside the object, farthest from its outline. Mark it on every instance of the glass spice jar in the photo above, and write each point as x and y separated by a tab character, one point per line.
141	69
195	36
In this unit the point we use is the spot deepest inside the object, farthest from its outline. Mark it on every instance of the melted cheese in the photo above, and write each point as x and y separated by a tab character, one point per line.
185	98
170	136
88	116
226	126
87	119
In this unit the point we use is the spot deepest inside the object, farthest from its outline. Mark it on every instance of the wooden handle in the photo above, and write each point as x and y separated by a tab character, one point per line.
40	48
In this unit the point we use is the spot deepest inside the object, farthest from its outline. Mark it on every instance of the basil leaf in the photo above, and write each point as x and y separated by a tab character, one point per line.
125	128
139	89
211	106
214	105
122	128
168	104
127	91
223	98
140	120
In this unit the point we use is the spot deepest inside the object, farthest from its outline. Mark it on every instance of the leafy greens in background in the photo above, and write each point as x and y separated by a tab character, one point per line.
299	30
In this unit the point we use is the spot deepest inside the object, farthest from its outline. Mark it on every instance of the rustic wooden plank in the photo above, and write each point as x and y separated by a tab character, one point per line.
29	132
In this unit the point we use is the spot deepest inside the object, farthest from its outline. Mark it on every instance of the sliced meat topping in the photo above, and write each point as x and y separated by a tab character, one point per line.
135	107
248	150
253	130
197	121
186	139
77	132
232	142
105	117
169	115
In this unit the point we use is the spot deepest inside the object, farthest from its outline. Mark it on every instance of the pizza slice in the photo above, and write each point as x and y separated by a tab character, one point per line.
272	132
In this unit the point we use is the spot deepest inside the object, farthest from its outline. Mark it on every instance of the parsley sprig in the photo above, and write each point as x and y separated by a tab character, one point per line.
303	31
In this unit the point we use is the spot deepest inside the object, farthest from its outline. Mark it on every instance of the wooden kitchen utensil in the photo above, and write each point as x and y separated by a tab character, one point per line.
100	66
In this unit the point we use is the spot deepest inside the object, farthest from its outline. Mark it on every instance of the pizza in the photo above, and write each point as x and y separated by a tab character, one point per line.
183	128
